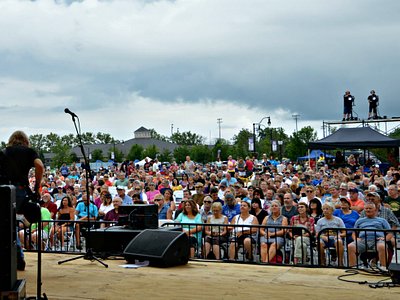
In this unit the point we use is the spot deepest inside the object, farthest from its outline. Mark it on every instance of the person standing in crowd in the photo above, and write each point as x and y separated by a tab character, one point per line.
189	166
348	101
19	159
373	101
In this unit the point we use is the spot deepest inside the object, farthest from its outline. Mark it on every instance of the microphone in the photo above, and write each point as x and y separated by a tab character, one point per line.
67	111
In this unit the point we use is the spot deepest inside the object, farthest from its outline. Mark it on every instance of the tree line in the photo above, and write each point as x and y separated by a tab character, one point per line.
192	144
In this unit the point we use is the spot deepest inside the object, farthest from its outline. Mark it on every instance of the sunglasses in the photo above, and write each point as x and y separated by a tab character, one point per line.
309	191
207	201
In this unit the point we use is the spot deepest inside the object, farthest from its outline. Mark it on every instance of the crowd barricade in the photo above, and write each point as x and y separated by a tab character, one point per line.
332	247
358	248
246	243
57	236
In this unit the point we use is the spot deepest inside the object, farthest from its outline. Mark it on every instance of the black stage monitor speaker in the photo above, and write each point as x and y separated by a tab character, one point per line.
8	251
394	270
162	248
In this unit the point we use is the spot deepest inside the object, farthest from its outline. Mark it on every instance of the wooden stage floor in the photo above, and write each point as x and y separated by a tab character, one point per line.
83	279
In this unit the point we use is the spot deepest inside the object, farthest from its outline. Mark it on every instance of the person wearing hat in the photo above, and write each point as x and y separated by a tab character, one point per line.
348	216
355	203
231	208
126	200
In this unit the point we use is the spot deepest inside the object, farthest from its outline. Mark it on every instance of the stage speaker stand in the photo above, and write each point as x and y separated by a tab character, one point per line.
8	249
162	248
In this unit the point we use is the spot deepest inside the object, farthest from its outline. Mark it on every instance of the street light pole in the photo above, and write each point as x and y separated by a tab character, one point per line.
254	131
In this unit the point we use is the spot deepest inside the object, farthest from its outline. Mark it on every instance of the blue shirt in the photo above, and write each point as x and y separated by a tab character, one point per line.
231	212
348	220
82	210
227	182
371	223
162	215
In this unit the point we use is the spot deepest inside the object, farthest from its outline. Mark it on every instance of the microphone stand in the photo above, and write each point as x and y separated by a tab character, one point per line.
89	253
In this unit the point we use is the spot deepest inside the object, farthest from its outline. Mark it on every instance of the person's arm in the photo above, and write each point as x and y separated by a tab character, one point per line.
39	170
264	222
169	214
254	229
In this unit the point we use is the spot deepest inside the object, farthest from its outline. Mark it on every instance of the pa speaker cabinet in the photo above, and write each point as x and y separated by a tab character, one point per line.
8	251
394	270
162	248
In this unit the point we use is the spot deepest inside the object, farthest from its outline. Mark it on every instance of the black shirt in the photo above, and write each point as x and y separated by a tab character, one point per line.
19	160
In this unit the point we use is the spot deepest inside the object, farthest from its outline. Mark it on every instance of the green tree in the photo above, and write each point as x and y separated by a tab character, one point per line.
155	135
165	155
62	153
104	138
180	153
70	140
200	153
118	154
97	154
51	141
224	150
151	151
136	152
395	134
187	138
88	138
298	143
37	142
241	143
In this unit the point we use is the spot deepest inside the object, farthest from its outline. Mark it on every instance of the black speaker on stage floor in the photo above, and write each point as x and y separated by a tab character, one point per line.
394	270
8	251
162	248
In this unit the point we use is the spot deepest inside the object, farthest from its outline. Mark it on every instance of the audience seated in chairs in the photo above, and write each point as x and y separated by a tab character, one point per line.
331	238
190	214
370	240
112	215
242	234
65	213
46	229
215	235
302	238
272	238
81	212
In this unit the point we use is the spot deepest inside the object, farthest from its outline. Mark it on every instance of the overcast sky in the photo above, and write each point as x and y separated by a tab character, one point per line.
121	64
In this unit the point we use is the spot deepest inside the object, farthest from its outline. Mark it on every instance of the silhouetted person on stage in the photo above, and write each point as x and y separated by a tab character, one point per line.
373	101
348	102
19	159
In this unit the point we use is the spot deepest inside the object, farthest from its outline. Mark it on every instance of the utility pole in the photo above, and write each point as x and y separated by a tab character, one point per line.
219	121
296	116
172	129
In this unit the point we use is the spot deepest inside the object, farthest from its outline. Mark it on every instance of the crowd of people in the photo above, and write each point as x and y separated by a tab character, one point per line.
277	194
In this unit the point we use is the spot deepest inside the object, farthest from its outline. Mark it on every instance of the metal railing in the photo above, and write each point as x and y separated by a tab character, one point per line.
254	244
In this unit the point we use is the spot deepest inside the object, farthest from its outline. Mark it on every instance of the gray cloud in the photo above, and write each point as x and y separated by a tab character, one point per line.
298	56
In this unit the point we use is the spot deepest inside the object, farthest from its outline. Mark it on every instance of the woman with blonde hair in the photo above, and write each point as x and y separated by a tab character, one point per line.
272	238
215	235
